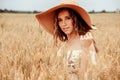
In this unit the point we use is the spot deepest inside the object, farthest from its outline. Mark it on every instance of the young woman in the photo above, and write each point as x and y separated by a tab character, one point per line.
71	29
71	24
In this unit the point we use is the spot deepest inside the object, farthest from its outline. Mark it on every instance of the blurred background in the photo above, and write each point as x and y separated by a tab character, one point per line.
41	5
26	49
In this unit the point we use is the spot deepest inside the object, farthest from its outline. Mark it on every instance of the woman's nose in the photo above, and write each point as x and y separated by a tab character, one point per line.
64	22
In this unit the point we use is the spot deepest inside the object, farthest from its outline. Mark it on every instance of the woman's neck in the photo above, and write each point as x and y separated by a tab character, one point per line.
72	37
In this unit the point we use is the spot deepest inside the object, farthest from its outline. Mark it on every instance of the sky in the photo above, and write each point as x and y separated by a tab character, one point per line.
42	5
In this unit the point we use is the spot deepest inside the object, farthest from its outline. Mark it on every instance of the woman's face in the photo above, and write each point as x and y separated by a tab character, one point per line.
65	22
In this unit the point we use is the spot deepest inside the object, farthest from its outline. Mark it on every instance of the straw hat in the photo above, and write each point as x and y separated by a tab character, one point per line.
46	18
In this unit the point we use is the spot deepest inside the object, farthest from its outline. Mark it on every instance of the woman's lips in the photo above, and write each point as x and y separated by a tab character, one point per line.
66	28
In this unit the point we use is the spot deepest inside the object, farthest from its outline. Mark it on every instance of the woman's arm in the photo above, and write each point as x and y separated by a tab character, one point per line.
88	48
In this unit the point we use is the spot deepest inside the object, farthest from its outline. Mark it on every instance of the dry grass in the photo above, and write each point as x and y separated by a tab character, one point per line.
26	51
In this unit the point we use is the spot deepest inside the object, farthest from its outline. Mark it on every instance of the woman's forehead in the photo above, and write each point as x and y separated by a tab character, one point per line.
63	12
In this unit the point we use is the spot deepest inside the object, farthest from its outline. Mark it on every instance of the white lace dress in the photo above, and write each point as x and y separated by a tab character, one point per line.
72	60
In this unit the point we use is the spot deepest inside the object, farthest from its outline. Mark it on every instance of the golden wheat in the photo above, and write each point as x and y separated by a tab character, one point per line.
26	51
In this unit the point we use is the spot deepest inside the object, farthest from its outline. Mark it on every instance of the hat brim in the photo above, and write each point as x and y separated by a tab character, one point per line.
46	19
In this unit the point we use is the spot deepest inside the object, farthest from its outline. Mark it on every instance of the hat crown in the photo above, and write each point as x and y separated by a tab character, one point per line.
69	2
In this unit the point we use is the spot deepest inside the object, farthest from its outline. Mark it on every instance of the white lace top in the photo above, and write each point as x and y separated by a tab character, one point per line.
74	55
72	58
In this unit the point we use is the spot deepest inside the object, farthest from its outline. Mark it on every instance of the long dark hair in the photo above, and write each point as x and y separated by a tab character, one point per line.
78	23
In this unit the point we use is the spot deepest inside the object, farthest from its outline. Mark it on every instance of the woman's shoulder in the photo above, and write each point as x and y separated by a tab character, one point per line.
86	40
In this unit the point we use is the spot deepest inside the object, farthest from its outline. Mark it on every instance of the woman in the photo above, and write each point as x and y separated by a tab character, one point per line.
71	24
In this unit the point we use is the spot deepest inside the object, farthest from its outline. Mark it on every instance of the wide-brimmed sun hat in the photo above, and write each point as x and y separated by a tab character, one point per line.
47	18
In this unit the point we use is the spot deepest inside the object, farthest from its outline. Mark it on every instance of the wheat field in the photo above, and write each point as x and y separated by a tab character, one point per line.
27	53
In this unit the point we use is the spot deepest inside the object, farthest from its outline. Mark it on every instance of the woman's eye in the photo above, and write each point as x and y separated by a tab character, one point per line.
68	18
59	20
